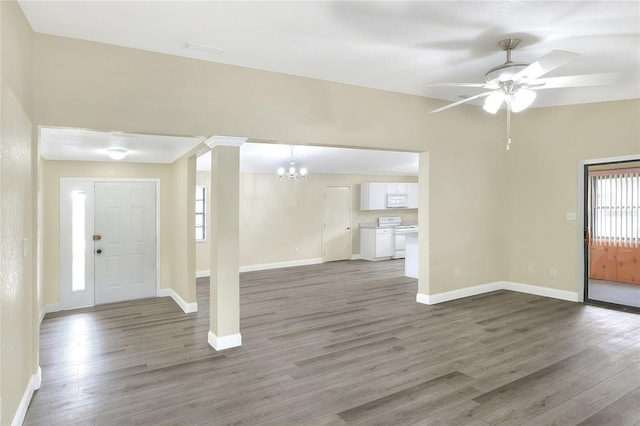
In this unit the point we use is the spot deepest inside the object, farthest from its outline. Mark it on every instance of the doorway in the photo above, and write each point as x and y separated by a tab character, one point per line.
337	223
612	234
108	241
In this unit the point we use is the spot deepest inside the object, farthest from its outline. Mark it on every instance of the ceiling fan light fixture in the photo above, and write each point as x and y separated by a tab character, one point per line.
522	99
493	101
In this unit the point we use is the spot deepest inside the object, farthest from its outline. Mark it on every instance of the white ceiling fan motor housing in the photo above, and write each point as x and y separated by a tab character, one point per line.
509	69
504	72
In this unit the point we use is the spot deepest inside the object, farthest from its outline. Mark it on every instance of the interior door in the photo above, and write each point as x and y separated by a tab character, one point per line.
337	223
125	256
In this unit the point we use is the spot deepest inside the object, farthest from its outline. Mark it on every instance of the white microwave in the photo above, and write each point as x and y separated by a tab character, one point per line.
397	201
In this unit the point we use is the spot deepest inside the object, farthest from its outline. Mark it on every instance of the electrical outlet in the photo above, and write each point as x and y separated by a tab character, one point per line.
531	269
571	216
297	250
553	272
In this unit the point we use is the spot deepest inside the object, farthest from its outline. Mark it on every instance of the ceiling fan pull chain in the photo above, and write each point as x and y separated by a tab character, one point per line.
508	125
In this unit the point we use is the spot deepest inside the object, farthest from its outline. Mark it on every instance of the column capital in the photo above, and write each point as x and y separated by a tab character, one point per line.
216	140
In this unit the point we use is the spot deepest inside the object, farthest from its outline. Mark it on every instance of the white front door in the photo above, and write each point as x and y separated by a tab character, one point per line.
107	242
125	256
337	223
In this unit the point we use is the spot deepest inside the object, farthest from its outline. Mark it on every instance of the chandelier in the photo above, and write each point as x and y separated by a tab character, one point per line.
292	171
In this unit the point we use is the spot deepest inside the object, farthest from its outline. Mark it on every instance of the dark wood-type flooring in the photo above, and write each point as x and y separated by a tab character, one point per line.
342	343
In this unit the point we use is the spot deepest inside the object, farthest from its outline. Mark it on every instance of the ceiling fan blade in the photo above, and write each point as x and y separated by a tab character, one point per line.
470	98
575	81
545	64
479	85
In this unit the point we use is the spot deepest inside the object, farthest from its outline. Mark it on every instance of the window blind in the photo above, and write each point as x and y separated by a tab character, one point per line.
615	203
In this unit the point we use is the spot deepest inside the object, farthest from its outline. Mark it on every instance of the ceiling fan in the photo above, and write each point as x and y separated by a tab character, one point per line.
515	83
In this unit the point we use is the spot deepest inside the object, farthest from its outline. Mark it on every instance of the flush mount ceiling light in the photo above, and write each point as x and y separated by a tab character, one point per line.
117	153
292	171
513	83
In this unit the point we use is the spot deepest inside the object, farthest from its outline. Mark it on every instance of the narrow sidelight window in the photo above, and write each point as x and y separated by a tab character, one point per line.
78	240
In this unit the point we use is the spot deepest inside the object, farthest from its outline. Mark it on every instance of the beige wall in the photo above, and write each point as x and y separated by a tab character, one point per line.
54	170
147	92
18	306
182	227
490	212
278	217
548	144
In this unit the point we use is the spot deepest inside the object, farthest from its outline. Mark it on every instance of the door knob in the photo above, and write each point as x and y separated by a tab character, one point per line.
99	251
348	227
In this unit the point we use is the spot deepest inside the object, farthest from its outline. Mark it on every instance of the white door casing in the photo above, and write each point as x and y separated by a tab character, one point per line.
337	223
124	214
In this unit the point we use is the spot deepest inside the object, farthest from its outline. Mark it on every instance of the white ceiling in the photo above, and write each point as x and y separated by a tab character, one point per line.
90	145
266	157
87	145
399	46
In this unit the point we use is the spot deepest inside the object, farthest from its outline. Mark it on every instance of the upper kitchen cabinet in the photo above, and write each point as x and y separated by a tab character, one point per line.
375	195
397	188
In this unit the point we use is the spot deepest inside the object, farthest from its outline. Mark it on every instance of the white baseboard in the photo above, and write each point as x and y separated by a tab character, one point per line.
356	256
202	274
423	298
288	264
50	307
494	286
32	386
186	307
571	296
224	342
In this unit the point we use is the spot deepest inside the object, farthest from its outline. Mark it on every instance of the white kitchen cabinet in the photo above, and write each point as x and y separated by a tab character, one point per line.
398	188
376	243
373	196
413	199
411	259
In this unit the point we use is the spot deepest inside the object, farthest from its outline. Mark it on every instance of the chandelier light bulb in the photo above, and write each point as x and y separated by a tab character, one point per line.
292	171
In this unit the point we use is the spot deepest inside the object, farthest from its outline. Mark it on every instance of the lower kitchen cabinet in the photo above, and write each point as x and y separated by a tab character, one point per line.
376	243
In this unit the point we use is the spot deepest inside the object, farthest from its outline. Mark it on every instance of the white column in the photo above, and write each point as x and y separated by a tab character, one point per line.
224	308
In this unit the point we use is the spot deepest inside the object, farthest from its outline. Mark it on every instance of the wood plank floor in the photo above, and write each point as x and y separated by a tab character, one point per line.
342	343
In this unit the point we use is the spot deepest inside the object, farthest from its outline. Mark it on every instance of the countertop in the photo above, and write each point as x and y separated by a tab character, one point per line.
375	224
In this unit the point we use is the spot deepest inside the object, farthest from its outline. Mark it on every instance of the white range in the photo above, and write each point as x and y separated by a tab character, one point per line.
399	234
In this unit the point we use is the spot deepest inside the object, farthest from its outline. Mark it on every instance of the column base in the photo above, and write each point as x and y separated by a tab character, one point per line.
224	342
